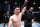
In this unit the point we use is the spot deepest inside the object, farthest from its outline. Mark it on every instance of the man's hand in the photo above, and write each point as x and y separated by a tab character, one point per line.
32	20
24	7
26	1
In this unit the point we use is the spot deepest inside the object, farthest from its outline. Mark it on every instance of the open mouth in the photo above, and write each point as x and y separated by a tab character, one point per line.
18	12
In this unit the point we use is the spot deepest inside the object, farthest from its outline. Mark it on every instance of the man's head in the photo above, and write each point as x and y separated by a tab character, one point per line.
17	10
7	12
31	9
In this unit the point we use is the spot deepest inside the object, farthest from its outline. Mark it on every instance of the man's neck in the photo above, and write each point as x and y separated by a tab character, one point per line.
16	14
7	13
29	11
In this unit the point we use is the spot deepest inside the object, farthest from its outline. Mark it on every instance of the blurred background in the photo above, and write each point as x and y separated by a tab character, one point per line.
9	5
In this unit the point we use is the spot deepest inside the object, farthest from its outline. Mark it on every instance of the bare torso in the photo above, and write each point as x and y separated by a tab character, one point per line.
16	20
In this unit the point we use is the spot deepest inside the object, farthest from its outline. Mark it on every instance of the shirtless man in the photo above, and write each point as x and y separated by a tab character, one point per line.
16	18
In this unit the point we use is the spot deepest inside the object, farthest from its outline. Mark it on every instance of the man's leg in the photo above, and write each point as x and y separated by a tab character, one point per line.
25	24
4	24
30	25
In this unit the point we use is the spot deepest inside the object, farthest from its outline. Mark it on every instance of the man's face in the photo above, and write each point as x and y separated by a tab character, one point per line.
8	12
31	9
17	10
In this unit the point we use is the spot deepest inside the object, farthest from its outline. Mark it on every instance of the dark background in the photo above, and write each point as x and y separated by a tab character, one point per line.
3	7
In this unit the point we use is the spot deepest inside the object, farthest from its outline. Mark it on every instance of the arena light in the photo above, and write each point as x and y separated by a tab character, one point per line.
15	2
6	2
39	7
34	2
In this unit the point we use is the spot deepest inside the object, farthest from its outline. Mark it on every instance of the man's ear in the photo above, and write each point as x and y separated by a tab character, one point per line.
14	11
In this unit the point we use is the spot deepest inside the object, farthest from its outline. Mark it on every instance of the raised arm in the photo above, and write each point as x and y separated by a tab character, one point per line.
23	10
10	22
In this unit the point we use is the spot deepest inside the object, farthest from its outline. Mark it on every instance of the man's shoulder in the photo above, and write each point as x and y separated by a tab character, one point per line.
27	10
12	16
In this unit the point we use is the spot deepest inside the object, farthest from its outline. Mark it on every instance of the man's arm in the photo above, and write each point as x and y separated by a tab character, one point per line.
33	18
10	22
23	10
4	15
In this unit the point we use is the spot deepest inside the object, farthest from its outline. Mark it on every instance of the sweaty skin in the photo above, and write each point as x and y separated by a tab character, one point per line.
16	19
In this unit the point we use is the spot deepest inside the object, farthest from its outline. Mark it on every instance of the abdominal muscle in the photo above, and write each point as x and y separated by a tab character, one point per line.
17	24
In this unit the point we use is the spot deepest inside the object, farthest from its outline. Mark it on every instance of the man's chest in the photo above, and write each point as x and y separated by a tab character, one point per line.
17	19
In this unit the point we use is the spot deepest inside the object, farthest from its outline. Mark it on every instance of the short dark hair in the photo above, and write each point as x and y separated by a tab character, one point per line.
31	7
16	7
7	11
